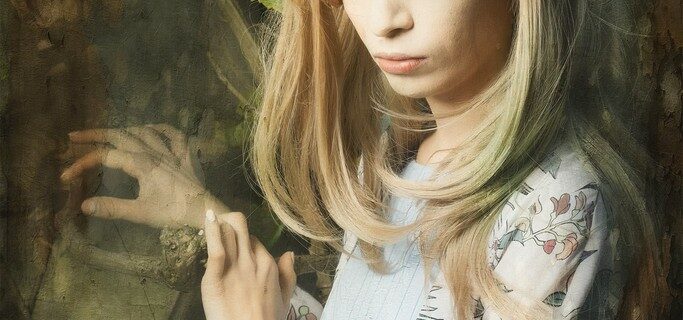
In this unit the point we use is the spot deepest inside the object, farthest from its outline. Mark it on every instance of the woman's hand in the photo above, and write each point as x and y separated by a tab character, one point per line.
242	280
157	155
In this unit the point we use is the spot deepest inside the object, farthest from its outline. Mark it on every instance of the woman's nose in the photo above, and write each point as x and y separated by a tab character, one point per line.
390	17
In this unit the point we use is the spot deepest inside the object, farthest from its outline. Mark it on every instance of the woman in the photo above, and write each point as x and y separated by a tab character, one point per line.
455	124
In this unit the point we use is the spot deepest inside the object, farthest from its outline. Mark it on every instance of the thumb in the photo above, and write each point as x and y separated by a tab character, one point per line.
111	208
285	265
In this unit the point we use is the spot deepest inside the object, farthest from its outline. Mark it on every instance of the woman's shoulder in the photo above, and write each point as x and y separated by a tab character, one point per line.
566	168
563	177
555	226
549	230
556	208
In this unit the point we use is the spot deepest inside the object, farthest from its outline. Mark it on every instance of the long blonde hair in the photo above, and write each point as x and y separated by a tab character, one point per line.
323	111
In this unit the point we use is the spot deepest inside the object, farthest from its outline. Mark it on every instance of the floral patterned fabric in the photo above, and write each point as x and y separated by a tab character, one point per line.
303	306
554	242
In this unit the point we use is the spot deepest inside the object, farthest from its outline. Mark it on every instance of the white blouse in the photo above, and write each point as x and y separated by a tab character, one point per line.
554	241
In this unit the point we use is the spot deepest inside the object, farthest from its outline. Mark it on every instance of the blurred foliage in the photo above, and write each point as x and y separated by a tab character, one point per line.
271	4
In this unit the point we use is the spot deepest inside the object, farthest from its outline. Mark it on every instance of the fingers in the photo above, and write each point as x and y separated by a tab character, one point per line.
215	263
266	267
95	135
238	222
159	138
113	208
74	151
118	137
229	241
112	158
287	276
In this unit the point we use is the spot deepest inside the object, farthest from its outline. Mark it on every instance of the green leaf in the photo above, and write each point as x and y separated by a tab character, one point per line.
271	4
555	299
506	239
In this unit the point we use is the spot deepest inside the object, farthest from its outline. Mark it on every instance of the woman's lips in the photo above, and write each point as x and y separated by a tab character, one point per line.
398	64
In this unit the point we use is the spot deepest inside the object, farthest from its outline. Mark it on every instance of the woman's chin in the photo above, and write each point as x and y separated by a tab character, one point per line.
407	87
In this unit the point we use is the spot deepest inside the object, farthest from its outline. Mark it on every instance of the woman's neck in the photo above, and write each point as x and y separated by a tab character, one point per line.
451	131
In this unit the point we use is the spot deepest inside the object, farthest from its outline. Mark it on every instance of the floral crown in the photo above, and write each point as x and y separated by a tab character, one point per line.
277	4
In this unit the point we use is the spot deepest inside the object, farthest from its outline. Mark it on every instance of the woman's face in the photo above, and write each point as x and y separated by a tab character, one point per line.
445	49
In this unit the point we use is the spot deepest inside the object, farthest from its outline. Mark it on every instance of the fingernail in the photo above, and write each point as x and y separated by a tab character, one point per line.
71	134
291	256
210	215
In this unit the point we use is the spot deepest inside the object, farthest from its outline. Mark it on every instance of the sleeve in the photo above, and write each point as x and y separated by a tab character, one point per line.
560	250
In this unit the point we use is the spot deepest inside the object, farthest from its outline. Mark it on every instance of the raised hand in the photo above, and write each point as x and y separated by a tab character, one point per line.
242	280
171	181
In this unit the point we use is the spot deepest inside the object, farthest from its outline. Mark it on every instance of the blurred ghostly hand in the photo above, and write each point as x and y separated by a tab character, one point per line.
170	178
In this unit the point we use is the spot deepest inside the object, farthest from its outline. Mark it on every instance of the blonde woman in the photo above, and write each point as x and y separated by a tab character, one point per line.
439	145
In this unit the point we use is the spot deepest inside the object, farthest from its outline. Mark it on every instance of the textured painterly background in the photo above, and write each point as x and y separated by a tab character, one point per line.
73	64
